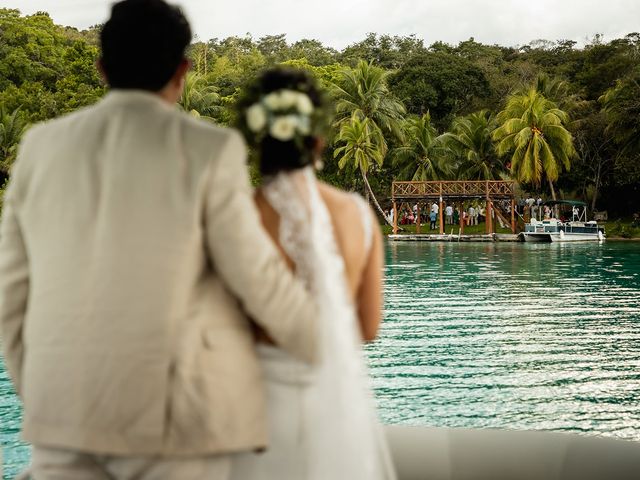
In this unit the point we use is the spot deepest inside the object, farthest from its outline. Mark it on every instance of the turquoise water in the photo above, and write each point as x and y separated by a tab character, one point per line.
15	455
520	336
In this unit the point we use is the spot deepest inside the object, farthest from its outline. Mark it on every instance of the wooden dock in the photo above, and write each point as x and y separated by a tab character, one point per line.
455	193
491	237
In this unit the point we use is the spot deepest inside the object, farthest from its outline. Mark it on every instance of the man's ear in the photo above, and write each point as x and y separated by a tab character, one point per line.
101	71
319	144
181	71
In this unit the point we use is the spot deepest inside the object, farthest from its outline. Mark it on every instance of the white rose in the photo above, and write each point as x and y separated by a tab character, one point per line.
304	124
288	99
304	104
256	117
283	127
272	101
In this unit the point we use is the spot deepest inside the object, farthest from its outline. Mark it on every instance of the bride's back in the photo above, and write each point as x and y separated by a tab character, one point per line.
322	421
282	117
359	243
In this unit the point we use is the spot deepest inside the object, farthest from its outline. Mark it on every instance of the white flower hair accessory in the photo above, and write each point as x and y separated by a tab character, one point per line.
283	114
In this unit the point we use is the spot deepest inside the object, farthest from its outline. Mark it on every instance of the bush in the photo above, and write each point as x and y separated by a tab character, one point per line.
2	188
618	229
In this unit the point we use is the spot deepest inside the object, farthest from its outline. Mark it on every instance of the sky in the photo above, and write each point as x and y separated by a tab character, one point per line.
339	23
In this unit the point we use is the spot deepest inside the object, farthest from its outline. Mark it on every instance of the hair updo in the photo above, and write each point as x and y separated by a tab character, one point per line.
281	115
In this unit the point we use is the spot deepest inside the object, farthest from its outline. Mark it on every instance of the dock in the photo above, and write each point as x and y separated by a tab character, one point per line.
436	237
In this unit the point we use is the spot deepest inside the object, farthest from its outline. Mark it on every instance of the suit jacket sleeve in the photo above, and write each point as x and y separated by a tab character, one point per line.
247	260
14	282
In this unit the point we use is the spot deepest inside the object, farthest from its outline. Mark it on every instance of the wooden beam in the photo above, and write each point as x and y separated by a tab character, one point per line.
395	218
441	212
513	216
418	218
487	221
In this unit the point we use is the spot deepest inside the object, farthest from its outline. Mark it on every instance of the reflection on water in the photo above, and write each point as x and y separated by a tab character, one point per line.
493	335
525	336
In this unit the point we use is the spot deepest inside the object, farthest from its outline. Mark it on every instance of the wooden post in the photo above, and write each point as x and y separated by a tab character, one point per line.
488	217
441	213
487	211
418	218
513	216
460	208
395	218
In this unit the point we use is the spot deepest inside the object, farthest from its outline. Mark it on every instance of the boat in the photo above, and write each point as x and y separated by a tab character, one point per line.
438	453
552	229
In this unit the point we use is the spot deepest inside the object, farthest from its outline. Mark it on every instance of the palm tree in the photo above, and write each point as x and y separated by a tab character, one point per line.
199	98
532	130
365	112
363	92
424	155
12	126
556	90
560	92
621	105
360	149
471	144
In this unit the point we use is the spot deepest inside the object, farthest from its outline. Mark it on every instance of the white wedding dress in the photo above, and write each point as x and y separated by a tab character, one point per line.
322	421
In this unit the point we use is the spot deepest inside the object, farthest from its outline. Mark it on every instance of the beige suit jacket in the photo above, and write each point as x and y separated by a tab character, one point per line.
129	249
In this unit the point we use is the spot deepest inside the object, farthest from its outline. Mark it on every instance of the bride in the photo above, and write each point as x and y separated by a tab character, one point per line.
322	421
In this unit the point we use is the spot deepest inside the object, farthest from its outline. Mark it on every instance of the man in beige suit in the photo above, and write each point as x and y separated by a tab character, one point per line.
129	249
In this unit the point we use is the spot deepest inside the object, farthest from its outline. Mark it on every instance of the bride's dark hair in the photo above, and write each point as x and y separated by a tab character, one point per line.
276	155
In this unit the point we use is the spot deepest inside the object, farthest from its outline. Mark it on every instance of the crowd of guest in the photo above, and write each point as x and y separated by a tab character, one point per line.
473	214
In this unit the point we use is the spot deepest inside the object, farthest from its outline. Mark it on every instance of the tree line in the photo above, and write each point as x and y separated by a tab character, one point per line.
561	120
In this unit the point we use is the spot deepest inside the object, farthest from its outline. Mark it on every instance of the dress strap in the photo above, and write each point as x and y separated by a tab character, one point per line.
367	224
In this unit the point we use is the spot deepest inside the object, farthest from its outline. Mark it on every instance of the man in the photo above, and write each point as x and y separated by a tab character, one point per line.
449	214
481	214
129	244
472	216
432	217
391	215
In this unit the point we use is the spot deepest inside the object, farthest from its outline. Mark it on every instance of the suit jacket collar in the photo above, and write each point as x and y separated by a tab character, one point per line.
130	96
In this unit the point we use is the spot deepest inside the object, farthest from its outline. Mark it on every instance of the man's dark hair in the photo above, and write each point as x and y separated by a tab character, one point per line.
143	44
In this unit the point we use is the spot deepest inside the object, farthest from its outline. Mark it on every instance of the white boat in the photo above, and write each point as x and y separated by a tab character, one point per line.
578	229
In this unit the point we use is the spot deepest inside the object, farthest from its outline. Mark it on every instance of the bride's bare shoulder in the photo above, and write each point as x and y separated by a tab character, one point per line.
345	213
340	203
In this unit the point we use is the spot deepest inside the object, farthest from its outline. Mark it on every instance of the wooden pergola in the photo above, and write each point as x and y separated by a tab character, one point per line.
455	192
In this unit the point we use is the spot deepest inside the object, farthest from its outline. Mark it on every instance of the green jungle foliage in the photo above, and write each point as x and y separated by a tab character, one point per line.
561	120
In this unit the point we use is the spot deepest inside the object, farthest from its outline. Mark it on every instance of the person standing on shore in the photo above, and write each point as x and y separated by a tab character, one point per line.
449	214
432	217
123	290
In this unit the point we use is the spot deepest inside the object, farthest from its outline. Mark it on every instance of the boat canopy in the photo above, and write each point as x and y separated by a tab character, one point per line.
572	203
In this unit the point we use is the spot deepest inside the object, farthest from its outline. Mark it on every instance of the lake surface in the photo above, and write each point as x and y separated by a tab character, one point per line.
524	336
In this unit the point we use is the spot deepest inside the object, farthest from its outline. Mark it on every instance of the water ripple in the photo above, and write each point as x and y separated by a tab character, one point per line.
511	336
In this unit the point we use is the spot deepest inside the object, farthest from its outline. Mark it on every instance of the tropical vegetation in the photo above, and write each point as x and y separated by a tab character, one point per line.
562	120
532	131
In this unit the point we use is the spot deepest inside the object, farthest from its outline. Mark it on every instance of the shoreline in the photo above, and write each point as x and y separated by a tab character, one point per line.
482	238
